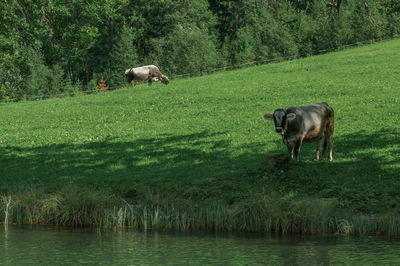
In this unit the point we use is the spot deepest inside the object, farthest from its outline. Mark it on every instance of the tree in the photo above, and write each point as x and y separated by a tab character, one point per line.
187	50
44	43
123	56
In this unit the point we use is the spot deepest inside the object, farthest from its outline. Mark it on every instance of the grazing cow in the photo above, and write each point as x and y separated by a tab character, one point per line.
308	123
150	73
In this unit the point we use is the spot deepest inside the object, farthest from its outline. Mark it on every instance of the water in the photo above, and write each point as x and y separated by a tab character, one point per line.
43	245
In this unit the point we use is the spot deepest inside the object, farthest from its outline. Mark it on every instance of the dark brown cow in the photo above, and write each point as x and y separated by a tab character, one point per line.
150	73
308	123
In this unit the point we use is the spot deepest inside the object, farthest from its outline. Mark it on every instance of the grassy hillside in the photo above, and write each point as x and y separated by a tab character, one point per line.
202	141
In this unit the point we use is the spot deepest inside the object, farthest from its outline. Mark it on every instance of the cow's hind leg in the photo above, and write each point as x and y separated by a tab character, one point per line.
330	147
329	140
317	150
329	134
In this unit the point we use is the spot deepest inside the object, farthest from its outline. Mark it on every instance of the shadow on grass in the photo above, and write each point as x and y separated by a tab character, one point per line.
364	174
198	165
205	165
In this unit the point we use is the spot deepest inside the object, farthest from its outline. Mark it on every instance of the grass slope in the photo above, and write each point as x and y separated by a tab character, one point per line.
203	141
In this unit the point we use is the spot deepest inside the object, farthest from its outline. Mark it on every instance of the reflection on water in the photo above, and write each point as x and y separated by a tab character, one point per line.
53	245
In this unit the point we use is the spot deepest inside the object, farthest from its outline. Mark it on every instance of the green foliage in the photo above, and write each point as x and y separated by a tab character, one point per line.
391	11
37	74
367	21
70	88
55	81
92	85
88	40
307	29
242	48
123	56
10	77
187	50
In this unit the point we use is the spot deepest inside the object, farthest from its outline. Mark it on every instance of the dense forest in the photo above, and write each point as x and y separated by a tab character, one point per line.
54	47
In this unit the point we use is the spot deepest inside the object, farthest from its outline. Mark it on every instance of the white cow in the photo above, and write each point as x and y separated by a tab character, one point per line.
150	73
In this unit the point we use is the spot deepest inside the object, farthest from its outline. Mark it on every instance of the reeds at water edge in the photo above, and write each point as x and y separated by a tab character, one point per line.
76	208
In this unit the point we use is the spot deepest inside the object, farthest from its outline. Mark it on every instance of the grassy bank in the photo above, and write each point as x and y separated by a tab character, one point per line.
198	153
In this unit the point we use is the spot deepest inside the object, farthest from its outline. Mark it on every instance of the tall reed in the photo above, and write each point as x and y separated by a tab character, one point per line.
6	202
76	207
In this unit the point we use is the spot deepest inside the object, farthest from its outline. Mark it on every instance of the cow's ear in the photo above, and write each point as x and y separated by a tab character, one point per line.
291	116
269	116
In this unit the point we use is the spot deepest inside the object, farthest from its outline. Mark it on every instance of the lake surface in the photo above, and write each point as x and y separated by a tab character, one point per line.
45	245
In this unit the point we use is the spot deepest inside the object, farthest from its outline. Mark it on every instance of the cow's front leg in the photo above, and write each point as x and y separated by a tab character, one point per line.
297	149
290	149
317	150
129	80
149	81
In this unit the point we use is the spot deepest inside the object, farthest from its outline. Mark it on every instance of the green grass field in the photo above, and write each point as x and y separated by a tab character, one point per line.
203	141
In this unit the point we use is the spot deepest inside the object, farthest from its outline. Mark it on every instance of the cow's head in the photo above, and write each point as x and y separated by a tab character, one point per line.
164	79
281	118
127	71
128	75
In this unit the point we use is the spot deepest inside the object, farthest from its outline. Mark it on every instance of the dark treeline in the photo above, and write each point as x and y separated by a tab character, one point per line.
50	47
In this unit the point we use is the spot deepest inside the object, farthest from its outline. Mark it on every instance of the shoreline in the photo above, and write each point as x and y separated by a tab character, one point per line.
95	209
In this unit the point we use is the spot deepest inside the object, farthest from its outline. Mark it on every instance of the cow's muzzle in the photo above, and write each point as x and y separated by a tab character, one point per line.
279	130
